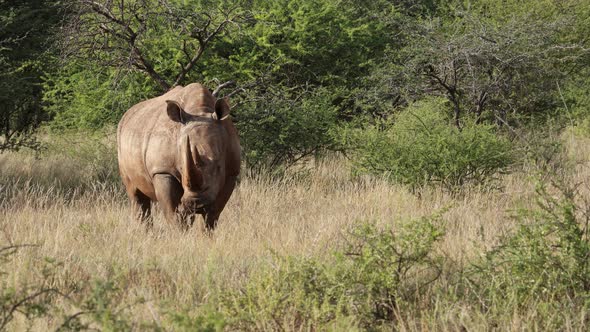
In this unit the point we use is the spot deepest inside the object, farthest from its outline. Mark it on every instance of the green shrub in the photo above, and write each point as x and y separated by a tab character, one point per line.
93	305
296	294
82	96
100	307
376	274
384	269
544	264
576	103
421	147
543	145
208	321
33	300
286	128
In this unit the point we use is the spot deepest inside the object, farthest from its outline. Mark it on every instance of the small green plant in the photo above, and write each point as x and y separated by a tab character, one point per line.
292	294
207	321
384	269
33	300
101	305
421	147
376	272
545	263
544	150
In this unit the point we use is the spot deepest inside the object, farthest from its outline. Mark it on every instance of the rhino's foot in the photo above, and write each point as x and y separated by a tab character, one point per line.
211	222
186	221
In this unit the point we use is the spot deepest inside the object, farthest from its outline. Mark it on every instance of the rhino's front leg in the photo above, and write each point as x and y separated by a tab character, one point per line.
212	215
169	193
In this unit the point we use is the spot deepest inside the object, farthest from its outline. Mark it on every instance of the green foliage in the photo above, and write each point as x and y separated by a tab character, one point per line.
304	56
26	31
545	151
313	42
89	97
576	103
383	270
33	300
102	308
296	294
546	260
168	41
208	321
371	278
288	128
421	147
499	60
282	51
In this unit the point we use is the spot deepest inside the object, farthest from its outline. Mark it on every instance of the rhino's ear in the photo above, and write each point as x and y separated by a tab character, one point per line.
174	111
221	109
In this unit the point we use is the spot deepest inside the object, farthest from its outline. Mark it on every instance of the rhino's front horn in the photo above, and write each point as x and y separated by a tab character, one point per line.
191	175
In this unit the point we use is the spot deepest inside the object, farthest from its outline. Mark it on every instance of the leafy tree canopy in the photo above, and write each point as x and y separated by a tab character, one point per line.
26	29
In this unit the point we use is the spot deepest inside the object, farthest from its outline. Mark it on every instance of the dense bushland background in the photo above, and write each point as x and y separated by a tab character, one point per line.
407	164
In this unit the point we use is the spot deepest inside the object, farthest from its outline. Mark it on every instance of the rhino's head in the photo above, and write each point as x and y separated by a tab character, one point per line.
202	144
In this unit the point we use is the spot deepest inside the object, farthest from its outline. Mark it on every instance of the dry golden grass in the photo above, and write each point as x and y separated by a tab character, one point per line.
55	203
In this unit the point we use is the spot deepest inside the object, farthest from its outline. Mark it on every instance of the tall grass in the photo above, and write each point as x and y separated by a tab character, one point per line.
73	209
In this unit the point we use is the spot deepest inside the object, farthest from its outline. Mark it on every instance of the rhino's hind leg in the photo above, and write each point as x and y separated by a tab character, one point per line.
169	192
141	207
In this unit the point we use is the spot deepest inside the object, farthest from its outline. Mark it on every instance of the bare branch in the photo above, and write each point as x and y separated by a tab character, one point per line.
113	33
223	86
204	38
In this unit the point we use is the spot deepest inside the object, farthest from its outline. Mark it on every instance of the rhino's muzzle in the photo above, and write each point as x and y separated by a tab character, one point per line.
192	205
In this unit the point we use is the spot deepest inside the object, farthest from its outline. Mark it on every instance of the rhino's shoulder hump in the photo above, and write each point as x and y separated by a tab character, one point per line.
149	108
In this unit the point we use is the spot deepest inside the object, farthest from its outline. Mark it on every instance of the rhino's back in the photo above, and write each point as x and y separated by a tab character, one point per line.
146	140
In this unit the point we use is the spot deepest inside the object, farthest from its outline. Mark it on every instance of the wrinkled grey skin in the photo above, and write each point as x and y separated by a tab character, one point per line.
182	150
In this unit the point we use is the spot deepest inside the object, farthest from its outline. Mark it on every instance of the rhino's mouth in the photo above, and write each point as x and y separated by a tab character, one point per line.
187	210
195	206
202	209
